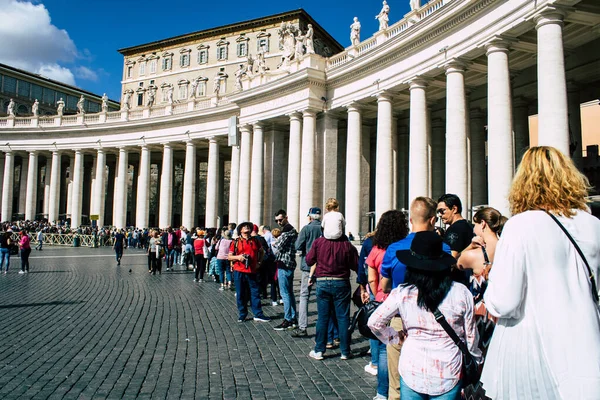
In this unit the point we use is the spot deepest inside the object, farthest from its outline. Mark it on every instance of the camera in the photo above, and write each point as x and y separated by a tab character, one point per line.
246	260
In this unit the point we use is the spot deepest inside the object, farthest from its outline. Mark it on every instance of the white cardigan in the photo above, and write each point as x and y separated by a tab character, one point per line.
547	341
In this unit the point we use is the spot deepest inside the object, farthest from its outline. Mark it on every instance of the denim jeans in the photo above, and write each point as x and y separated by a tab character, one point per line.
224	270
171	258
286	287
407	393
5	255
383	380
304	295
374	344
332	330
333	296
246	288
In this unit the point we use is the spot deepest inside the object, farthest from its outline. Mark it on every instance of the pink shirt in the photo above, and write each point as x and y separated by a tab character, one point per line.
374	261
25	242
430	362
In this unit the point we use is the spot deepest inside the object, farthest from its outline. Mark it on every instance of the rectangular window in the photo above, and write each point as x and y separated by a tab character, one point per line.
129	71
151	82
242	49
202	56
10	85
24	88
143	68
36	92
183	90
202	89
140	99
185	60
72	102
93	107
166	63
263	44
222	53
49	95
152	66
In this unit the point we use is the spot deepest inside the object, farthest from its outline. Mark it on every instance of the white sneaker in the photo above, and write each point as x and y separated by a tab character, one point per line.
281	301
316	356
371	369
379	397
21	272
274	303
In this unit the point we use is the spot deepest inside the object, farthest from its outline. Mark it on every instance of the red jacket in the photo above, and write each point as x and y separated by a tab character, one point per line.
252	247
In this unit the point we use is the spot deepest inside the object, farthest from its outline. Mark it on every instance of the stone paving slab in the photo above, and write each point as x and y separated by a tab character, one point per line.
79	327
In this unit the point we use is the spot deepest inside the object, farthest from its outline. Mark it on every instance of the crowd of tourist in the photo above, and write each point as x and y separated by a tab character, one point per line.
516	296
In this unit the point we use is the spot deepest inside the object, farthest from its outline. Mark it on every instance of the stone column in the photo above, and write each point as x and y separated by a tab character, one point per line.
403	166
245	162
438	157
553	125
166	188
93	185
418	167
294	154
500	158
7	186
574	103
120	214
69	183
212	183
100	190
47	170
384	196
456	133
234	184
478	160
189	187
521	128
54	187
32	181
330	158
77	189
307	168
353	164
22	205
257	192
142	213
395	165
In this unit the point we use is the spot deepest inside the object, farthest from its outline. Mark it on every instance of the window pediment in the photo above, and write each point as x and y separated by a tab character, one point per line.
263	34
183	82
222	42
203	47
242	38
152	57
167	54
130	62
165	85
184	51
141	59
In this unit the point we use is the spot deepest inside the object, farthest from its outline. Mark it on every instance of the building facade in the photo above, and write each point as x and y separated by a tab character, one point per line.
436	102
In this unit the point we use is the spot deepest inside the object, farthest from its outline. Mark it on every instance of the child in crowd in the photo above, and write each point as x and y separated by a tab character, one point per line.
333	223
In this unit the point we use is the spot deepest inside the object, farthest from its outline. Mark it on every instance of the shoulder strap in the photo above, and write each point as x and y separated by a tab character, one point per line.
485	256
590	273
439	317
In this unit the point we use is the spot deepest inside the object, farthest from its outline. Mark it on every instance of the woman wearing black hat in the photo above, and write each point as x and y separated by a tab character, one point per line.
430	362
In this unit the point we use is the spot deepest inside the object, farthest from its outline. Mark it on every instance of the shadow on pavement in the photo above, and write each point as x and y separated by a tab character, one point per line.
50	303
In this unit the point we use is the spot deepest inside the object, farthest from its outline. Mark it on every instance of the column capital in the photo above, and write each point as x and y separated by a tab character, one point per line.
383	95
33	152
455	66
258	125
212	139
354	107
309	113
550	14
497	44
167	145
418	82
246	128
296	115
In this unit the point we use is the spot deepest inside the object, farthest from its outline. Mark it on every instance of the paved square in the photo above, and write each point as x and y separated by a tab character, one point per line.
79	327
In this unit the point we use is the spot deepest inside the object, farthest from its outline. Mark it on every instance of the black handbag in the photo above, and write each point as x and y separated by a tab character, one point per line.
361	318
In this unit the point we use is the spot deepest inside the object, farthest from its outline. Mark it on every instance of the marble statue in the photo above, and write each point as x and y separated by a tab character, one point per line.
250	65
355	32
415	4
104	103
151	97
126	99
383	16
194	88
80	104
299	51
262	63
287	41
60	106
35	108
11	108
308	40
217	85
170	94
239	74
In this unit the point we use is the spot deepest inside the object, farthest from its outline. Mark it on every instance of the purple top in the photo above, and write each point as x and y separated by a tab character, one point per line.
334	258
223	250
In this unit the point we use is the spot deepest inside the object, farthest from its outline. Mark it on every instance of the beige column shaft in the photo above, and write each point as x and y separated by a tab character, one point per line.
353	164
294	159
189	187
553	123
77	189
456	133
245	164
418	153
7	186
500	159
166	188
384	196
100	190
69	182
234	184
47	170
307	168
121	197
32	181
54	188
257	192
212	183
143	190
22	201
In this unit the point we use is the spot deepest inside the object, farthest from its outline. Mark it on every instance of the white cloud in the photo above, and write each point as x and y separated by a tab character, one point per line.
86	73
31	42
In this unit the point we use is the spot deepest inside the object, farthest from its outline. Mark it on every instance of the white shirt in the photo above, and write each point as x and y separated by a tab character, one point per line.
546	344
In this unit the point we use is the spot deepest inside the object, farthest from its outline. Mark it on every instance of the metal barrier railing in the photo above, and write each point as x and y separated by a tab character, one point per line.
67	239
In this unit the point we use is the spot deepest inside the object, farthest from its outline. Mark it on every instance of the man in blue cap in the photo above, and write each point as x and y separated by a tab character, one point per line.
307	236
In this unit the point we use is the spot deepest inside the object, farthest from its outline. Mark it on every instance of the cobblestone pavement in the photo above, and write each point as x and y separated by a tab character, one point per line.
79	327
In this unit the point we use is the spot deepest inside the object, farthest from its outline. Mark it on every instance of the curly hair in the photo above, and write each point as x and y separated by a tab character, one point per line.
547	179
392	227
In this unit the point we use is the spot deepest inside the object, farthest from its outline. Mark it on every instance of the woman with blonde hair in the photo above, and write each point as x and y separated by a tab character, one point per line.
546	344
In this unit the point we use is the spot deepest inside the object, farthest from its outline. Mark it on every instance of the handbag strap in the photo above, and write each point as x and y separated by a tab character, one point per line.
590	272
439	317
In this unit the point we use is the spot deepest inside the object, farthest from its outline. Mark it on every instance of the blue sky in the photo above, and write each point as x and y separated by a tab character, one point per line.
77	42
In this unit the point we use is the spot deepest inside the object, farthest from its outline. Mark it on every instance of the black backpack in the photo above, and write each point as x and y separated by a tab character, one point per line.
361	317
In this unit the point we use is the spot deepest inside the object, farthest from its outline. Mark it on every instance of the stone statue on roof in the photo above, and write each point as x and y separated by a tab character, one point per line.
10	110
415	4
35	108
383	16
80	105
60	107
126	100
104	103
355	32
308	40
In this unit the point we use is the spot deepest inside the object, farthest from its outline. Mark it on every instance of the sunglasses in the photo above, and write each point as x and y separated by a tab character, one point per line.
278	220
442	210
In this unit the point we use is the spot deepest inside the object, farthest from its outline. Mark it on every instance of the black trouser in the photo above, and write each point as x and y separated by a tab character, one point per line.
25	259
200	266
155	263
